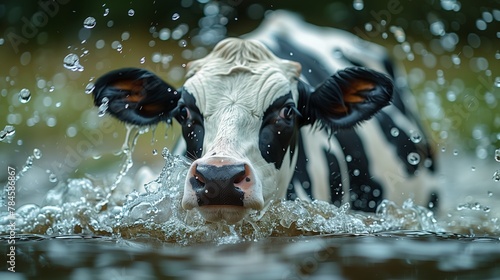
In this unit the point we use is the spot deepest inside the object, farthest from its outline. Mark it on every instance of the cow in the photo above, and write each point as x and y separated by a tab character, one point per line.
290	110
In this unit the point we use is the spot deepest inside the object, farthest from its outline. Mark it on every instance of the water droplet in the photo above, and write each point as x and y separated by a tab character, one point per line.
10	130
72	62
131	12
497	155
415	137
413	158
348	158
182	43
52	178
497	82
455	152
394	132
175	16
368	27
37	153
473	168
89	88
24	95
358	5
143	59
103	107
89	23
155	152
3	135
490	194
496	176
356	172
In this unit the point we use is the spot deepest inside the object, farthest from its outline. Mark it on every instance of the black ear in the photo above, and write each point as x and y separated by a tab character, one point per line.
348	97
135	96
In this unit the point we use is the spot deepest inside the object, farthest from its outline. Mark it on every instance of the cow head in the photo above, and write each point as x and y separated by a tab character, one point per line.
240	110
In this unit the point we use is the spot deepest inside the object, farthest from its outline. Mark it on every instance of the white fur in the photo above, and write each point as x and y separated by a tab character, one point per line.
233	86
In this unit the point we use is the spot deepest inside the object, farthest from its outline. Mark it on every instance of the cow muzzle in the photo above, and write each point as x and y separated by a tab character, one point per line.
222	188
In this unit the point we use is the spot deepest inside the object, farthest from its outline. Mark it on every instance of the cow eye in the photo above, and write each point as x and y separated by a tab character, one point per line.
287	112
184	113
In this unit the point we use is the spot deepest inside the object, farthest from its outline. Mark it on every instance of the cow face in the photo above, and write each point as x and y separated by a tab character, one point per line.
240	109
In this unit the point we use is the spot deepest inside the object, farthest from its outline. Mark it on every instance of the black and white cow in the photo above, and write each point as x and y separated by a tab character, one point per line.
277	115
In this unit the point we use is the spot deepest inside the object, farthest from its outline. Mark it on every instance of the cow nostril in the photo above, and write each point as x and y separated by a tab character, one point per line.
199	179
240	178
243	175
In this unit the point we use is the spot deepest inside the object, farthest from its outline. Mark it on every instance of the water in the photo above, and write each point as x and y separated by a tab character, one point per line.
85	207
146	232
24	95
89	23
394	255
72	62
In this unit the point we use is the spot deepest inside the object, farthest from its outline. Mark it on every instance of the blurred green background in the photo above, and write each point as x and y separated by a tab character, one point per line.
450	50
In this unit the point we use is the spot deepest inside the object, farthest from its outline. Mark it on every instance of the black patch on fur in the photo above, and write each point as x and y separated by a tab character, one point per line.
300	175
336	189
363	188
312	68
402	142
193	130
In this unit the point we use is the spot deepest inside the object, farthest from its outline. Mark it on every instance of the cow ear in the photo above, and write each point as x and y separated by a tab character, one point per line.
135	96
350	96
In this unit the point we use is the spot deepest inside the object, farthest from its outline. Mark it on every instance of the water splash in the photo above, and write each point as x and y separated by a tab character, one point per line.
37	154
83	206
473	206
127	149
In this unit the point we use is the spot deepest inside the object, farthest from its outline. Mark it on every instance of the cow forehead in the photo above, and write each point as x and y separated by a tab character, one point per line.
240	73
252	93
